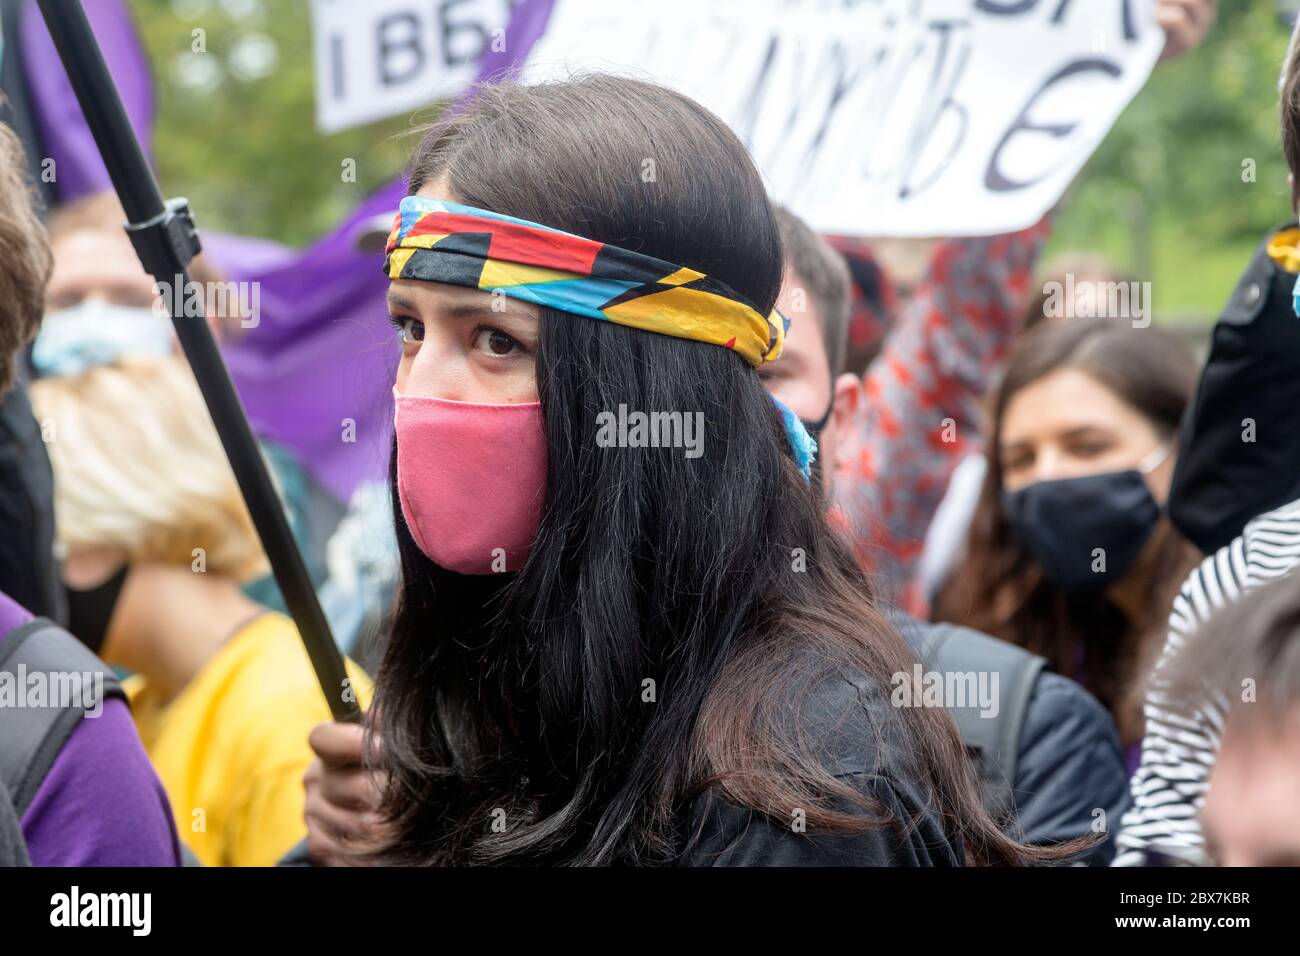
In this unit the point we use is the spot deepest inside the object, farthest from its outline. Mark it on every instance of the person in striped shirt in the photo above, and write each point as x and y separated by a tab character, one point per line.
1182	733
1241	458
1184	728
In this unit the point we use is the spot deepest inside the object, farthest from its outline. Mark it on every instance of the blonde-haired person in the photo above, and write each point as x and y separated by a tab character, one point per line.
156	545
136	435
82	789
101	306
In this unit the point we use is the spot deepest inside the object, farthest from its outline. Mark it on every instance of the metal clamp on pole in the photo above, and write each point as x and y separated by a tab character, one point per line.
165	239
168	242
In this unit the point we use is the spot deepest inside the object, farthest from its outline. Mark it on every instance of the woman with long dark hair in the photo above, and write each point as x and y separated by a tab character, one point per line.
1070	552
610	648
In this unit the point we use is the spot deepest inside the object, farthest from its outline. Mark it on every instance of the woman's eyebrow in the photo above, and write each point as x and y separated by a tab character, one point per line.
479	309
1085	431
471	308
401	301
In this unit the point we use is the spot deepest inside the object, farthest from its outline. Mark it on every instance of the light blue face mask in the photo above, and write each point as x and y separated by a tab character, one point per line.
802	445
1295	296
94	332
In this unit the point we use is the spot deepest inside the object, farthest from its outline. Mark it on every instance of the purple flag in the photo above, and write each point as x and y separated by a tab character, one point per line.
64	134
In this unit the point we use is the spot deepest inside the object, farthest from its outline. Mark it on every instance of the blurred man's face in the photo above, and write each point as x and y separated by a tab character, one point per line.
97	264
1251	815
100	304
801	377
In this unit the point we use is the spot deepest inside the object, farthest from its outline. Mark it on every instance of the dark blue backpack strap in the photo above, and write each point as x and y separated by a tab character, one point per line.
994	742
31	737
13	848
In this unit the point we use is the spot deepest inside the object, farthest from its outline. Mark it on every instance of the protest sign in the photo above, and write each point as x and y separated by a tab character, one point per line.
384	57
886	117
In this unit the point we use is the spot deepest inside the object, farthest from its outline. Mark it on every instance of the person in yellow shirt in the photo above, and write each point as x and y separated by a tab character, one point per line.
156	544
231	748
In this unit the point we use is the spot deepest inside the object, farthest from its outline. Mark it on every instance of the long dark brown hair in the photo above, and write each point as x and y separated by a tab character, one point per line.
1001	590
522	697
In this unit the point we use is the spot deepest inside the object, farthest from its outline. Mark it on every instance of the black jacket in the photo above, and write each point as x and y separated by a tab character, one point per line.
1068	778
28	572
1238	450
1069	765
855	731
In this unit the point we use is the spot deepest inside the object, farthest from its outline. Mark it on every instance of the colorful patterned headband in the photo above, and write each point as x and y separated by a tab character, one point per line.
439	241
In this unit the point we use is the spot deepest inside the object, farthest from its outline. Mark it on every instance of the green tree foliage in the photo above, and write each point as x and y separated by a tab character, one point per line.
1192	176
242	146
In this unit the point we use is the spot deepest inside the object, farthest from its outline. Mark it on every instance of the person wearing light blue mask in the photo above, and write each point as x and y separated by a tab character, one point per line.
1066	761
100	303
97	332
95	800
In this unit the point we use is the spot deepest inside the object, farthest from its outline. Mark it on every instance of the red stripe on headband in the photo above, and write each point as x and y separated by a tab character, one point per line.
515	242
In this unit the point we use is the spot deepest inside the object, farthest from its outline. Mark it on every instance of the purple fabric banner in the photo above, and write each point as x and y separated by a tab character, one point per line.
64	134
316	372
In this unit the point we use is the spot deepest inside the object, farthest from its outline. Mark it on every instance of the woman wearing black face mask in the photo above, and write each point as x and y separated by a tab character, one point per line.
1070	553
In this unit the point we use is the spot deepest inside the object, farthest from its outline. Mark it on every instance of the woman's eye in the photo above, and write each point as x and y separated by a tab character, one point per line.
411	330
1089	450
494	341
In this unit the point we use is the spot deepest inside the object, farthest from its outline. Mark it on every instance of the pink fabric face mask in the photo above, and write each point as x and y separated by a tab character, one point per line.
470	478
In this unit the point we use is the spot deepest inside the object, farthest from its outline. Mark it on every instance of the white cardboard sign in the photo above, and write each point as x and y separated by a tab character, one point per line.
886	117
383	57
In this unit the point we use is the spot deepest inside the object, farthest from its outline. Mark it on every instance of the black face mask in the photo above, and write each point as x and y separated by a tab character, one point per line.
1085	532
90	611
814	429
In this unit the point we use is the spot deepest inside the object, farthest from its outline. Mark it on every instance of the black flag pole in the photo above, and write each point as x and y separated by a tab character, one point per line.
166	240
